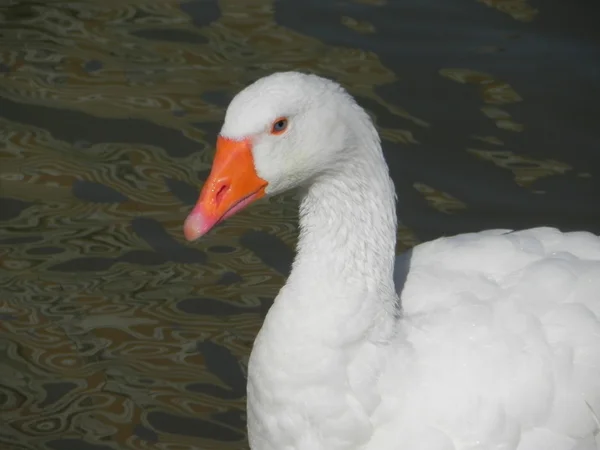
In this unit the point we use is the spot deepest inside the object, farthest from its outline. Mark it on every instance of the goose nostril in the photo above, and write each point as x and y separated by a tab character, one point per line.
221	191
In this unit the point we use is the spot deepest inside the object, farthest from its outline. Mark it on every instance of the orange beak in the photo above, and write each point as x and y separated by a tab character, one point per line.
231	186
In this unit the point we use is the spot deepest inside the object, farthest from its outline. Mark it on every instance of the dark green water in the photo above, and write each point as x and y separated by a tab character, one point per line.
114	332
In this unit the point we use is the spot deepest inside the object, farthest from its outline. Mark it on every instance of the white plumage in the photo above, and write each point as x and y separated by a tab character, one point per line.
504	333
493	345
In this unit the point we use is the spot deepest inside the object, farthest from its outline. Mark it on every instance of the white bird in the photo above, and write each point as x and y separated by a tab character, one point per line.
492	344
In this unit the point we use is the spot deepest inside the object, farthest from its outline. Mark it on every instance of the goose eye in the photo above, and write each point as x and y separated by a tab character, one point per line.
279	126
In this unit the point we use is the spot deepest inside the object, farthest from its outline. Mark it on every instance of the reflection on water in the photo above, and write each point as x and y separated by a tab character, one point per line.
114	333
518	9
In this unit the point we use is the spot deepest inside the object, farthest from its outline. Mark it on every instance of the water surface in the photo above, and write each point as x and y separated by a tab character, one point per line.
115	333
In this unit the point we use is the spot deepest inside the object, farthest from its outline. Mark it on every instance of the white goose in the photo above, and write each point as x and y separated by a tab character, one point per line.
496	344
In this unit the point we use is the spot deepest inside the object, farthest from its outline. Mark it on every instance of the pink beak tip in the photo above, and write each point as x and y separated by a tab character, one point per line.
196	225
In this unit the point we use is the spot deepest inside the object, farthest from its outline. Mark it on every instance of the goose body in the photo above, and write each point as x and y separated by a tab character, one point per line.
485	341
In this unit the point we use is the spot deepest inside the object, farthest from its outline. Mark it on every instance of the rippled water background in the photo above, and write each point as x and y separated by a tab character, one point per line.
115	333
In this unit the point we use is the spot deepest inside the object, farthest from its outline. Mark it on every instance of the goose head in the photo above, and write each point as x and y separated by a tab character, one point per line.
281	132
